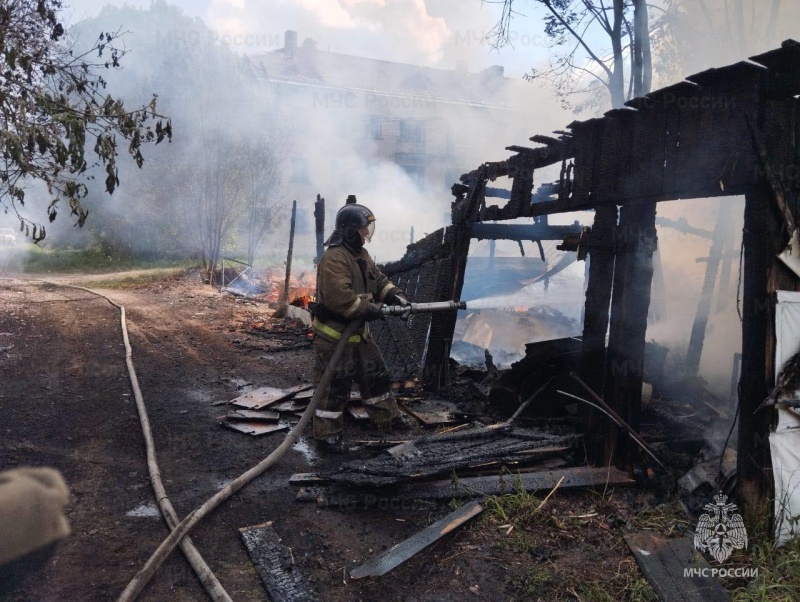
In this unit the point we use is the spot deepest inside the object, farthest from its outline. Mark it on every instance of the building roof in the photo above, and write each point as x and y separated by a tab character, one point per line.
308	66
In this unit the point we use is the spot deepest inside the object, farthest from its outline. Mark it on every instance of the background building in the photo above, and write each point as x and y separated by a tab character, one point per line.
396	135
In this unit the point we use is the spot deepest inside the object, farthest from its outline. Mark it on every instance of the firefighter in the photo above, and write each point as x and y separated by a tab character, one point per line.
351	287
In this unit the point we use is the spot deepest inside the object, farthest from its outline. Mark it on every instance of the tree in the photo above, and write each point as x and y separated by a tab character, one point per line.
225	153
53	105
262	171
623	28
215	186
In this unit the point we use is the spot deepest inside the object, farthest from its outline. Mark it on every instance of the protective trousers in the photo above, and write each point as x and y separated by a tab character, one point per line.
361	362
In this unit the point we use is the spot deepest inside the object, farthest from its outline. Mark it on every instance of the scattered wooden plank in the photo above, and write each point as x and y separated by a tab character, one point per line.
307	478
581	476
275	565
301	479
254	428
266	396
439	456
398	554
379	443
544	451
261	398
289	406
301	389
253	415
307	394
663	562
472	487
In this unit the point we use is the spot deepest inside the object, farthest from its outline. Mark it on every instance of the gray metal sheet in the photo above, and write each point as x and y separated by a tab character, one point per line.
255	428
398	554
253	415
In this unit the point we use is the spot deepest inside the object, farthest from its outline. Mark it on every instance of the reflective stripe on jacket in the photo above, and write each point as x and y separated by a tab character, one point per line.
335	335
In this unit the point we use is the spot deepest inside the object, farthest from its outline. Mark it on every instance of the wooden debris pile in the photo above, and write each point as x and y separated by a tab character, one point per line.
267	410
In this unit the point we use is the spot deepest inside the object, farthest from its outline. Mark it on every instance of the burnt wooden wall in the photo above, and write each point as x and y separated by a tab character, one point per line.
695	139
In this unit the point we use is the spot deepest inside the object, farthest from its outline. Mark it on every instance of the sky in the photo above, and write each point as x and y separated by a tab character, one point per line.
434	33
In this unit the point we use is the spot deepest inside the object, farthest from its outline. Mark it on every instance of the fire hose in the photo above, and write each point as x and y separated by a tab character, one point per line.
195	516
182	529
210	582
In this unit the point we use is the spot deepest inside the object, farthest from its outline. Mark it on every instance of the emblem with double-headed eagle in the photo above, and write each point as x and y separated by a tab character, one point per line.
721	531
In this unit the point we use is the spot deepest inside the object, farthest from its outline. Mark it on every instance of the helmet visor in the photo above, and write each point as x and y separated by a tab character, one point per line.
367	231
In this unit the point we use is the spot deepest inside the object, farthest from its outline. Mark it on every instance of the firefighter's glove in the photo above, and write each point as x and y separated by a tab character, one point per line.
396	297
373	312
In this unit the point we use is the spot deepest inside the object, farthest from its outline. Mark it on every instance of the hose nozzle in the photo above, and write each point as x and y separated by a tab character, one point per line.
422	308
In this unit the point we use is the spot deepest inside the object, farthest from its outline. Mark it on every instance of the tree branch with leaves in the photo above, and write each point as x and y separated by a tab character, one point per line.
53	107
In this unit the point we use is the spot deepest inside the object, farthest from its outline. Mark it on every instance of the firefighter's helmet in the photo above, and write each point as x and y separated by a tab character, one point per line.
353	217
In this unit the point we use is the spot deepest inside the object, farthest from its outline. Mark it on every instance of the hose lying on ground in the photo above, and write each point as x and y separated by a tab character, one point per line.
212	586
178	533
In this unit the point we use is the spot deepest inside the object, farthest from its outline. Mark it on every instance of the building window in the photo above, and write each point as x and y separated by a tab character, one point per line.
413	131
375	127
416	173
299	170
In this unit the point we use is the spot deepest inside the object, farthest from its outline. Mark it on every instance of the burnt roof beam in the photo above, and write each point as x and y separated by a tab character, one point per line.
482	231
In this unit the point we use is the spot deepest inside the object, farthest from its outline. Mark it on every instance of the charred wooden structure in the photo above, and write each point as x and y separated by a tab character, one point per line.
722	132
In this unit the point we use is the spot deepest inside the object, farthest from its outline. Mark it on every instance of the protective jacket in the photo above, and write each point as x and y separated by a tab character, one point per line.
347	282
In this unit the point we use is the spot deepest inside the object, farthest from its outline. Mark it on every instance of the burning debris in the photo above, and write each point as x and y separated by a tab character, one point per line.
267	286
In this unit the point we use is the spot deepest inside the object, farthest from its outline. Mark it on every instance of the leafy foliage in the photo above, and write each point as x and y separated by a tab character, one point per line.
218	186
53	105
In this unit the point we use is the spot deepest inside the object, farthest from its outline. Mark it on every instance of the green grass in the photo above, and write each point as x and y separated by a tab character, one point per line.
627	584
666	518
124	281
778	568
37	259
539	528
778	573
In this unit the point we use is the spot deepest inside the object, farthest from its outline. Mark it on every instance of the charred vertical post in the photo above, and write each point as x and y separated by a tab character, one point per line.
289	254
319	218
456	239
630	303
521	170
595	324
762	226
698	335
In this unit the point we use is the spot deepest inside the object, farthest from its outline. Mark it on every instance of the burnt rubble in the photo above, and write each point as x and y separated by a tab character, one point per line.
721	132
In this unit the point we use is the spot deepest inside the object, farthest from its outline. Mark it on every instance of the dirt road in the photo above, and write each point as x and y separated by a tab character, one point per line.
66	402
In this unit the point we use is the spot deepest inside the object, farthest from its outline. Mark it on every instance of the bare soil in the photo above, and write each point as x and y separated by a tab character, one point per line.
66	402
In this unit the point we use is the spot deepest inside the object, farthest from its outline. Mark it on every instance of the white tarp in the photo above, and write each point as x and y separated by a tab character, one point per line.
784	443
785	449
